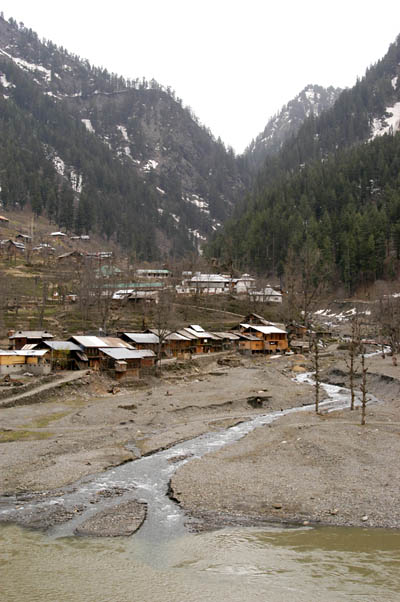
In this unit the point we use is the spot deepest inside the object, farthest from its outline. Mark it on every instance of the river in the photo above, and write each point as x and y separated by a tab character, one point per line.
244	565
165	562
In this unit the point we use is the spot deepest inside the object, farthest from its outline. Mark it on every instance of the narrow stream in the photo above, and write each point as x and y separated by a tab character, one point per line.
147	479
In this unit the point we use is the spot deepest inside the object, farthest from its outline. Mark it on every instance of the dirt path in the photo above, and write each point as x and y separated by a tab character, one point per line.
15	400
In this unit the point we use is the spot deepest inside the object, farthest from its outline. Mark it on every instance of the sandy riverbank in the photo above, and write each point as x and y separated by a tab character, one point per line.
301	468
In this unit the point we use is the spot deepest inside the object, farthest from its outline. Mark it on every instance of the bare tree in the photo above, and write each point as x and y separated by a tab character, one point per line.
388	319
354	348
364	390
314	347
306	282
164	319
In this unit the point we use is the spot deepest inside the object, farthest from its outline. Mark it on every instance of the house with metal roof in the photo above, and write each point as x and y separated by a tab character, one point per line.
274	339
126	362
142	340
23	337
203	341
91	345
18	361
65	355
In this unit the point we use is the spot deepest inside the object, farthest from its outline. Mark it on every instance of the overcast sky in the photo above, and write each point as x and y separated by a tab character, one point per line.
235	62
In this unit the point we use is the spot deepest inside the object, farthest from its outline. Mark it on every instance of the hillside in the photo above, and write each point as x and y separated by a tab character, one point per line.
312	100
98	153
332	192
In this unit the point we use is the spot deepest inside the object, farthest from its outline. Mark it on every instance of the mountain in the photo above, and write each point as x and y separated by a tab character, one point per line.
97	152
331	193
284	125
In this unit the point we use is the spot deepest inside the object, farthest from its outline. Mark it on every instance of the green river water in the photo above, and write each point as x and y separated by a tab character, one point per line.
236	564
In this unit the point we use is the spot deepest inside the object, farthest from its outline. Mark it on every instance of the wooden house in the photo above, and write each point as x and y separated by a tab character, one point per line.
229	340
202	341
142	340
296	330
91	346
65	355
275	339
249	344
126	362
71	257
20	338
173	344
24	360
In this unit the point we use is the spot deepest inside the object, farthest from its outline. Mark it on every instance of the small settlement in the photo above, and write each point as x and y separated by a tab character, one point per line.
135	354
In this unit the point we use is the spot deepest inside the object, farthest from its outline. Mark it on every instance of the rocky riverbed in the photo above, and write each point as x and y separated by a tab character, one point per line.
302	468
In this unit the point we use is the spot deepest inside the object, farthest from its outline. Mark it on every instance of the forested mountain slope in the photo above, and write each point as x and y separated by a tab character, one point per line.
312	100
97	152
335	185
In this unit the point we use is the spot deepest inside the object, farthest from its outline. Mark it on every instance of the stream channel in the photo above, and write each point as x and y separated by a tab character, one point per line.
163	561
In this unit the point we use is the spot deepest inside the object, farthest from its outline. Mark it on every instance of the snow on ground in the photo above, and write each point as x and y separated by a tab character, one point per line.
123	131
53	95
198	201
197	234
151	164
4	82
88	125
76	181
33	67
385	125
160	210
394	82
59	165
176	218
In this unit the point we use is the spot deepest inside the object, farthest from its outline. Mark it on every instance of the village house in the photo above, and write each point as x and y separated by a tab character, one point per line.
24	360
266	295
202	341
153	273
141	340
230	341
65	355
205	284
174	344
71	256
13	248
250	343
126	362
137	292
275	340
20	338
296	330
244	285
91	346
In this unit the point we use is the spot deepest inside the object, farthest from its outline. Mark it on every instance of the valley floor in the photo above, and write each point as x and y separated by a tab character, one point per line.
302	468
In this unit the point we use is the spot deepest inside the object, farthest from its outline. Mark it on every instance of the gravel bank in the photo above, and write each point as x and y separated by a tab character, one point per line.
305	468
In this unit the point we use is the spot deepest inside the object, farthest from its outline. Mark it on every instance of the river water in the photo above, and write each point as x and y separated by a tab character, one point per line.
244	565
165	562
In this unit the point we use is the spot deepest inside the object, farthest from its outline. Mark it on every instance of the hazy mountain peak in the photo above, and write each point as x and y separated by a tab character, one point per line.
313	99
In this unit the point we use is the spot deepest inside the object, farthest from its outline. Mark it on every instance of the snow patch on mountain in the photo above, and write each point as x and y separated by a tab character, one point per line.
88	124
151	164
32	67
76	181
387	124
124	132
198	201
4	82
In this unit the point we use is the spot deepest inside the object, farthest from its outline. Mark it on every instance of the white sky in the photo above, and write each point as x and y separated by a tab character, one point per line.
235	62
